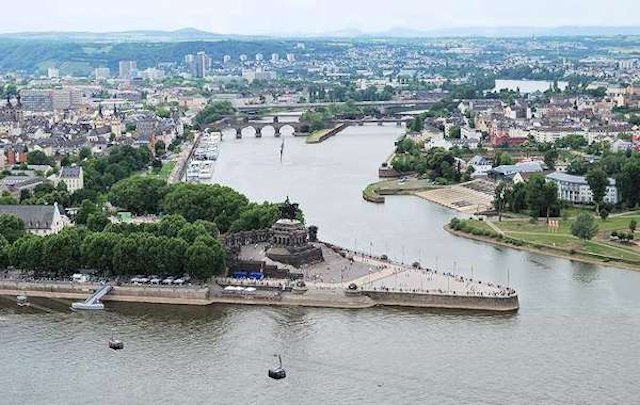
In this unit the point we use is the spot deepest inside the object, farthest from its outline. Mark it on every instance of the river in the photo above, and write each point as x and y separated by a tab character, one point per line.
574	340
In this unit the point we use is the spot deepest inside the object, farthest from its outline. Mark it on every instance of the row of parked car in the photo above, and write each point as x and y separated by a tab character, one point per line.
155	280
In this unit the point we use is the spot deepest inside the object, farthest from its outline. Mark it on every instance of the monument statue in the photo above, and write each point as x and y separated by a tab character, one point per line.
288	210
290	239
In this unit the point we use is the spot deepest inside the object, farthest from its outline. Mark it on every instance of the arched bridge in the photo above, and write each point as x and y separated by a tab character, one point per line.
238	125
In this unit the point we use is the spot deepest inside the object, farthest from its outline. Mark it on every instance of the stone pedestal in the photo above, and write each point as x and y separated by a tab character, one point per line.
289	244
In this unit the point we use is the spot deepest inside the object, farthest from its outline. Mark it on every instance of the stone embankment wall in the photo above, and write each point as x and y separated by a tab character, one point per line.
444	301
82	291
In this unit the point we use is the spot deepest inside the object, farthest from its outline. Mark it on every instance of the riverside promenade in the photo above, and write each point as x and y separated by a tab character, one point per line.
346	279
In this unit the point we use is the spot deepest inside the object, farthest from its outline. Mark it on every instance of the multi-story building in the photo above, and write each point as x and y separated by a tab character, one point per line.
36	100
72	177
202	63
575	189
257	74
102	73
127	69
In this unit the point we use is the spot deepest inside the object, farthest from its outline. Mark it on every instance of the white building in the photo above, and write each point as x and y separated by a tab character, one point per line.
72	176
102	73
575	189
38	219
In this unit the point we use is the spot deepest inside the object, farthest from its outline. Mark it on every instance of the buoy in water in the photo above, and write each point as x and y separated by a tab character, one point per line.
116	344
277	373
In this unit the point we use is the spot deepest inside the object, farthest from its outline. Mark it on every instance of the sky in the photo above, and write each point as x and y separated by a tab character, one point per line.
309	16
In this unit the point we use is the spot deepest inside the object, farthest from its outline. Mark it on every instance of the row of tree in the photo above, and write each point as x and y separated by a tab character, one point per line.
171	247
537	195
221	205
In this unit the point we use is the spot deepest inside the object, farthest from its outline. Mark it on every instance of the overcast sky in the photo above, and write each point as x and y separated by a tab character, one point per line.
308	16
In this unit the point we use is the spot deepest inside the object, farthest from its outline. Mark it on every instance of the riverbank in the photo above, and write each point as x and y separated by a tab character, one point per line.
383	283
375	192
324	134
547	250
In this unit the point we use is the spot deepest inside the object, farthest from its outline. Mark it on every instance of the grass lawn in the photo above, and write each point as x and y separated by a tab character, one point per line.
538	233
165	171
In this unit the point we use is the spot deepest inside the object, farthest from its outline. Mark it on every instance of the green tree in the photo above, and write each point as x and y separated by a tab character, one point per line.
97	250
503	158
11	227
190	232
38	157
212	229
628	181
219	204
199	263
584	226
171	225
86	209
632	225
97	221
542	196
550	158
160	148
85	153
454	132
139	194
598	183
4	252
213	112
604	214
500	198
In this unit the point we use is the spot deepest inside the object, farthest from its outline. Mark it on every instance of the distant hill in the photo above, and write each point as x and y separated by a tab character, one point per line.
182	35
193	35
492	32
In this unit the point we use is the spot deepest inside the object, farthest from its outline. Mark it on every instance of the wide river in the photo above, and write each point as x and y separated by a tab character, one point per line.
575	340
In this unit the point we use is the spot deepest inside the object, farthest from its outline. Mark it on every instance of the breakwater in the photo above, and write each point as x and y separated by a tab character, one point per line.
323	135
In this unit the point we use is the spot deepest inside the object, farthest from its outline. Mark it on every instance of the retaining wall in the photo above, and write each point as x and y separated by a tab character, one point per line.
444	301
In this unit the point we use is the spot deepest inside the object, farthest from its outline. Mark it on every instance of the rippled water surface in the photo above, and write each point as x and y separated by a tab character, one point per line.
574	340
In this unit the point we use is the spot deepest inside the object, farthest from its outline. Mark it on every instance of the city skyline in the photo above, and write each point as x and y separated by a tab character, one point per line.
311	17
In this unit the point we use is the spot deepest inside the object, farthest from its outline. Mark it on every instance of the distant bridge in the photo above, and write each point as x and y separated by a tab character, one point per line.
238	126
298	128
391	104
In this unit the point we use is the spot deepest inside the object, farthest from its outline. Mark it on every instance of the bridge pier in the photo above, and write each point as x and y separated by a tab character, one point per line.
276	132
238	133
258	132
380	123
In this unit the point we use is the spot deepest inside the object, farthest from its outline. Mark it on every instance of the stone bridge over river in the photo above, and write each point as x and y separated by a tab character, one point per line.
296	128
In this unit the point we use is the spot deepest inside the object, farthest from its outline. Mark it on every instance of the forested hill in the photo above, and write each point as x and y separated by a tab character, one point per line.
80	58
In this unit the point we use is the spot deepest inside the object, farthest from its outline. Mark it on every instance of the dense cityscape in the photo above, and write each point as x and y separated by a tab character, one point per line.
456	200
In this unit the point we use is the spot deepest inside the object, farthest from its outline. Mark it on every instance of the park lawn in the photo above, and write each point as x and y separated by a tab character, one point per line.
618	222
560	240
165	170
538	227
606	249
480	225
615	223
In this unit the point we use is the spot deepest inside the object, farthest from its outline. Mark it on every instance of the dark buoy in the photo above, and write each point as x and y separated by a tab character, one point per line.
115	344
277	373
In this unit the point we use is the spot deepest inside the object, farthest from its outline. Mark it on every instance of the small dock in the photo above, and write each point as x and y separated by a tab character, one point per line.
93	302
